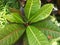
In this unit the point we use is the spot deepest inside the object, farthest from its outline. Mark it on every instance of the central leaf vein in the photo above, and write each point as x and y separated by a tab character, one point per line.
34	36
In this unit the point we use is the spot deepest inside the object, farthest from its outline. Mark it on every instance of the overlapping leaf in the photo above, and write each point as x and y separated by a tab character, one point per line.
43	13
10	34
49	28
14	17
36	37
31	7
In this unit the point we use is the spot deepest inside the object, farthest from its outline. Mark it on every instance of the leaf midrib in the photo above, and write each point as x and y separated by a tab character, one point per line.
34	36
30	9
38	14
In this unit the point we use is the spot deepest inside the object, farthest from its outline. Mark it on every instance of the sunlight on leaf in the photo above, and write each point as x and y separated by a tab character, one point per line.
41	14
31	7
36	37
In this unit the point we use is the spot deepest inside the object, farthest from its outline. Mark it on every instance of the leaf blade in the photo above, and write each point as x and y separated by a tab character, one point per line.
31	7
35	37
49	28
14	17
10	34
40	15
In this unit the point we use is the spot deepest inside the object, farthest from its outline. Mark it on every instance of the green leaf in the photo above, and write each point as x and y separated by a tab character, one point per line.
43	13
36	37
14	17
31	7
49	28
10	34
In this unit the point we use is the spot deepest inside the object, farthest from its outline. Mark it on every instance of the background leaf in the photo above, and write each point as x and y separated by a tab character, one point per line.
43	13
10	34
31	7
10	3
3	22
36	37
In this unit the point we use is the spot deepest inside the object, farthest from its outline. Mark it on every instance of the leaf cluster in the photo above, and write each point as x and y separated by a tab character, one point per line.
37	24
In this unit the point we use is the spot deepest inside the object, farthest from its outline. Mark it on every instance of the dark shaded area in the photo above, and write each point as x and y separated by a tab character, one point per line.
20	41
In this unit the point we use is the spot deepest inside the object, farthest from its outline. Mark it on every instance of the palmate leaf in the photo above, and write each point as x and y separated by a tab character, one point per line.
14	17
49	28
31	7
10	34
41	14
36	37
